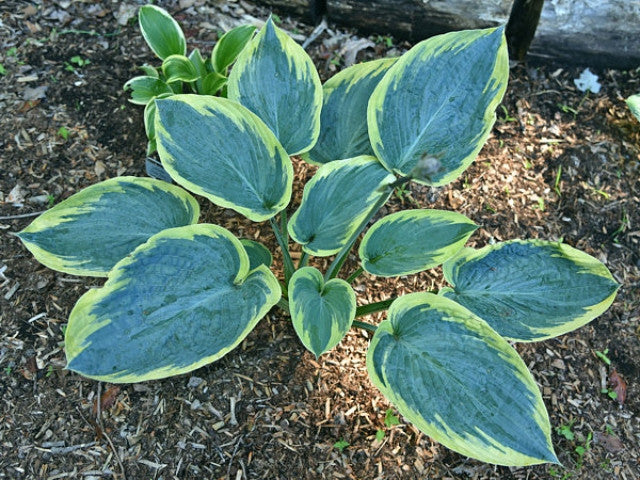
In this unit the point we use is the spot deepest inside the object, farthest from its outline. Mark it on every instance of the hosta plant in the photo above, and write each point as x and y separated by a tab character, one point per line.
180	295
180	73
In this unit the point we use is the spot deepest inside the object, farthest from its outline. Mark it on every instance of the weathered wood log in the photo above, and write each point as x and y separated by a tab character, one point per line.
597	33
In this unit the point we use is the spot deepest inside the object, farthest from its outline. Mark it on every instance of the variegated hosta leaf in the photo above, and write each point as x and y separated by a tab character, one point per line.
219	149
343	121
413	240
145	88
321	312
89	232
162	33
335	201
180	301
633	102
258	253
275	78
459	382
179	68
530	290
431	113
229	47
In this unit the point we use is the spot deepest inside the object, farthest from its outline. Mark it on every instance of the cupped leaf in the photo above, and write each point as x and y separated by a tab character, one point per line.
530	290
145	88
275	78
335	201
459	382
229	47
413	240
89	232
633	102
149	71
182	300
219	149
195	57
162	33
322	313
431	113
343	121
212	82
258	253
179	68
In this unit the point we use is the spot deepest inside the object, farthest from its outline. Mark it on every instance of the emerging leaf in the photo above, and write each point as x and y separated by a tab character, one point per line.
413	240
633	102
275	78
459	382
179	68
219	149
144	89
162	33
212	82
530	290
432	112
343	121
89	232
321	312
335	201
229	47
180	301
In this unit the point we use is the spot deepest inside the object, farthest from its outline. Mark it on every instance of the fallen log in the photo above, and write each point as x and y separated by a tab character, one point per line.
593	33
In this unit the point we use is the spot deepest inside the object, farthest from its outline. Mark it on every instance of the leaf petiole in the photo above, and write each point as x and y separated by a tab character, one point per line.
355	275
289	268
374	307
364	326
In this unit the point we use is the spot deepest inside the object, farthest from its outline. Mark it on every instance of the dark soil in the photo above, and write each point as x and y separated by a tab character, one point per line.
560	164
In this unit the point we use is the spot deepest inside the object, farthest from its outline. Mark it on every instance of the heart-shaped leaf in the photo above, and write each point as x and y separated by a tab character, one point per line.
258	253
335	201
459	382
276	79
162	33
89	232
245	168
321	312
182	300
431	113
343	121
229	47
413	240
530	290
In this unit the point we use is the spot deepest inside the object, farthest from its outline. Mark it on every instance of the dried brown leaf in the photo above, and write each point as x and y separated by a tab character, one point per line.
107	399
618	385
611	443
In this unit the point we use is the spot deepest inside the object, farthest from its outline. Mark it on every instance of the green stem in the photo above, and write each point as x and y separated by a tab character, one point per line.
364	325
334	268
355	275
284	247
304	259
283	304
374	307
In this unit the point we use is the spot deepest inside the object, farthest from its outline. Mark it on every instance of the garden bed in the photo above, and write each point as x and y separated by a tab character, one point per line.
560	164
